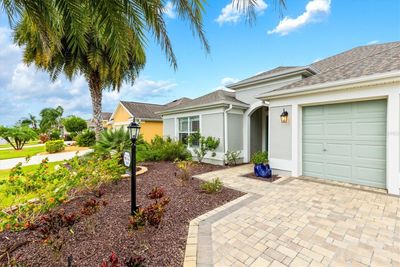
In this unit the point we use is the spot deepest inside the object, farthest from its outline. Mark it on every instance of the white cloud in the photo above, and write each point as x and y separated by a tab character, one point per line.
169	10
231	14
224	82
25	89
314	9
373	42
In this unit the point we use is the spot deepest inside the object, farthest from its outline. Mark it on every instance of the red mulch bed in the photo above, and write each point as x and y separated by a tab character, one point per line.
253	176
95	237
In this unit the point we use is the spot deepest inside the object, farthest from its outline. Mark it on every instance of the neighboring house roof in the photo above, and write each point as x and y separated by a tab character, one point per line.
216	97
279	72
357	62
177	102
143	110
106	116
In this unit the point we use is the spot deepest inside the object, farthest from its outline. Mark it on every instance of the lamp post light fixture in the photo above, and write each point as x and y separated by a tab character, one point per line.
284	116
134	130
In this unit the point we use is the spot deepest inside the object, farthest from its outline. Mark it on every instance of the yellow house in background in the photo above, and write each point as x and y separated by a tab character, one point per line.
150	122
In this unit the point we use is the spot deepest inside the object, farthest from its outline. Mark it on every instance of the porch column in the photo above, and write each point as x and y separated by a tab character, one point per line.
296	140
393	144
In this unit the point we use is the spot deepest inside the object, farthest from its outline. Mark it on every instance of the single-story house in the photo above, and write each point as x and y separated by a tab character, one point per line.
151	124
338	118
105	119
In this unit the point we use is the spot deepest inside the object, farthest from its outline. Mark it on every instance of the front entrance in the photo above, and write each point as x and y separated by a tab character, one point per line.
259	130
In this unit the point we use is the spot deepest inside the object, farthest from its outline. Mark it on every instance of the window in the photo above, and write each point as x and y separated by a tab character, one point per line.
188	126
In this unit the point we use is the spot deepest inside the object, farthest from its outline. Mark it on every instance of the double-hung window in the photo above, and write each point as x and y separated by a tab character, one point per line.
188	126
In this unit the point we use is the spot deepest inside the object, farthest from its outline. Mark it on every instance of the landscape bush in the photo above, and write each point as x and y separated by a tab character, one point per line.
55	135
74	124
161	149
259	157
43	137
51	188
55	146
232	157
202	145
86	139
213	186
115	140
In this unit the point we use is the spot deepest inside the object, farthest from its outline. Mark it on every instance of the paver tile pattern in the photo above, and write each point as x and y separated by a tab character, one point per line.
297	222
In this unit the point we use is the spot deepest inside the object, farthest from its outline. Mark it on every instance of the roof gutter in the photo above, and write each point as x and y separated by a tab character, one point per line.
381	78
240	85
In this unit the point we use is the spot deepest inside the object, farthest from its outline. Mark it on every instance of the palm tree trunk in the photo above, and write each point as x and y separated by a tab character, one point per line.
96	95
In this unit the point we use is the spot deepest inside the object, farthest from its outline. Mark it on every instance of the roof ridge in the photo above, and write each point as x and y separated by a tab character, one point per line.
136	102
356	60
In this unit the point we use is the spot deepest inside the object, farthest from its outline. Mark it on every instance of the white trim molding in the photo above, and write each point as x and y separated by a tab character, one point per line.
281	164
393	144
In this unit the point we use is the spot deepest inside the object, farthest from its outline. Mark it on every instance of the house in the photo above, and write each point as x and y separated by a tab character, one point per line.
105	117
338	118
150	122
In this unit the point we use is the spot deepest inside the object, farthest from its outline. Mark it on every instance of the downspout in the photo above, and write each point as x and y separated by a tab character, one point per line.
226	129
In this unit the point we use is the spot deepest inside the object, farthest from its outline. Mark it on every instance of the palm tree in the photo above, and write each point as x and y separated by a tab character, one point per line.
31	120
104	40
51	118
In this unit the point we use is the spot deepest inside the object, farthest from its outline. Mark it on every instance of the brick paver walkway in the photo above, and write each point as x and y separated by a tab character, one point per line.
296	222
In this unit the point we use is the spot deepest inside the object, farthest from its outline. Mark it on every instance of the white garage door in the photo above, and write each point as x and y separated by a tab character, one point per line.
346	142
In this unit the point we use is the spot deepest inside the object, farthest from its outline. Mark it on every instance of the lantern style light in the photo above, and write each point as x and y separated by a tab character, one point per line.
284	116
134	130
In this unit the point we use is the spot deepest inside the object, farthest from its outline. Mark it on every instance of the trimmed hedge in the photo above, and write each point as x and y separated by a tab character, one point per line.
86	139
55	146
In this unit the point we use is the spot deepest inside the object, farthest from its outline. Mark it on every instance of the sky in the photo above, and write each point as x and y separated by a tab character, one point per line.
304	32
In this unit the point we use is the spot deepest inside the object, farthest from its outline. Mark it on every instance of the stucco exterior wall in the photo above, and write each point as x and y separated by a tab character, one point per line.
249	95
149	129
280	139
121	115
213	125
235	132
169	128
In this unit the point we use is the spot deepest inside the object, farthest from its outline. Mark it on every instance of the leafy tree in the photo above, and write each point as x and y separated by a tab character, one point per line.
74	124
51	118
17	136
30	121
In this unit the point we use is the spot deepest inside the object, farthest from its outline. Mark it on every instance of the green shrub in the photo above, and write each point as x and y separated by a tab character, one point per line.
55	135
202	145
55	146
259	157
232	157
213	186
163	149
113	140
74	124
86	139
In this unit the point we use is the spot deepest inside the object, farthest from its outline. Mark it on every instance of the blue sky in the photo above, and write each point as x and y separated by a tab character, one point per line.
308	30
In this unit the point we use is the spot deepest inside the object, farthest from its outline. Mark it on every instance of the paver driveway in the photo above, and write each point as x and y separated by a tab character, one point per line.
298	223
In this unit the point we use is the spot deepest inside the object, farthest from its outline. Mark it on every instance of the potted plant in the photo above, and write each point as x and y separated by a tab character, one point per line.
259	159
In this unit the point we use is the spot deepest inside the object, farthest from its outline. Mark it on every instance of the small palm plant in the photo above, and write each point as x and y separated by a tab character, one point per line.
113	141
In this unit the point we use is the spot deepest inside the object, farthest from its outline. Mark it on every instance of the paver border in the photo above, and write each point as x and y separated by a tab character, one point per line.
200	231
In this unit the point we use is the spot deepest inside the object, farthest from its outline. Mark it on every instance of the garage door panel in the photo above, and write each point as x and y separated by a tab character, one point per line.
349	142
338	171
339	129
314	130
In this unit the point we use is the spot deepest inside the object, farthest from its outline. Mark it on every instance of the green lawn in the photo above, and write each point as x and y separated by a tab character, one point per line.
27	144
28	151
31	168
6	201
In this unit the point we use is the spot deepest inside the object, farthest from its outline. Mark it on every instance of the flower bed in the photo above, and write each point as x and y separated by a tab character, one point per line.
104	228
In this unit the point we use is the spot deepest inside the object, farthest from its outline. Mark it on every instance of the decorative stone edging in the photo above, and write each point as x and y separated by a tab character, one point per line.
200	230
142	170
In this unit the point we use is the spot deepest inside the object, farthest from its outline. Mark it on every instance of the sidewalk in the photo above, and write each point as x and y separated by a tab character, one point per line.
9	163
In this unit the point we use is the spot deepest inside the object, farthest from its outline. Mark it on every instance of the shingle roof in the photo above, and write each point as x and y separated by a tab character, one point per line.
215	97
143	110
357	62
106	116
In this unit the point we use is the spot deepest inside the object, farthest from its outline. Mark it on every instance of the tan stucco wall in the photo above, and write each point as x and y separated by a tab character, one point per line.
121	115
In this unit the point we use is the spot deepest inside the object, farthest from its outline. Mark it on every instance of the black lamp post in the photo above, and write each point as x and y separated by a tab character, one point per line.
134	129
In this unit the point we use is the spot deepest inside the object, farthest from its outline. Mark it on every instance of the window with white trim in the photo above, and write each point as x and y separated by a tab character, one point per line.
188	126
